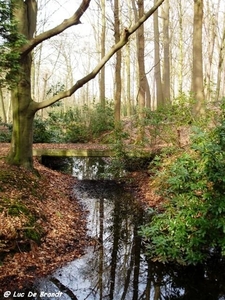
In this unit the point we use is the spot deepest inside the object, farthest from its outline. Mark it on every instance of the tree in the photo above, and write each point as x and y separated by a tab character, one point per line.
103	37
197	68
2	104
221	62
144	96
158	76
23	106
118	84
166	48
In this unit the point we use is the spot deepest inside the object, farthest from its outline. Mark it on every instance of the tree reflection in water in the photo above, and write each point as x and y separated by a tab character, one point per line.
116	267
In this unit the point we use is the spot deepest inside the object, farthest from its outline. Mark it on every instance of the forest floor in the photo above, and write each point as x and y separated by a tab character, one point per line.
42	208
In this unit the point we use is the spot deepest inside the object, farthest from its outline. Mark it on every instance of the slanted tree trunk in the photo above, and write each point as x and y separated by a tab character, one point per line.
197	68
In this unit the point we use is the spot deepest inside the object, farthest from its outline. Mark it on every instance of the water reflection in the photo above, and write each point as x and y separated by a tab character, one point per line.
113	221
112	268
90	168
116	268
82	168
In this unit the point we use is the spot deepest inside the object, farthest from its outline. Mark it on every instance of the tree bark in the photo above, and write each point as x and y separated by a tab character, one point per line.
220	63
144	95
118	85
4	118
141	60
23	113
166	52
23	116
103	36
197	68
128	81
211	32
181	49
158	76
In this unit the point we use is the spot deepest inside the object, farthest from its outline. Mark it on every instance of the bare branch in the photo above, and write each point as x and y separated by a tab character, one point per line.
123	40
145	17
74	20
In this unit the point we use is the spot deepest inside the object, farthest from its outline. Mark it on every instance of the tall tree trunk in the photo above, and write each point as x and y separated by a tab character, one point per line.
103	36
197	68
166	48
128	80
213	18
118	87
128	69
141	60
23	112
220	63
22	135
144	96
158	77
142	81
4	118
181	49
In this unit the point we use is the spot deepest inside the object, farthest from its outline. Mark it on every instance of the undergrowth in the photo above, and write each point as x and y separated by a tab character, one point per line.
191	224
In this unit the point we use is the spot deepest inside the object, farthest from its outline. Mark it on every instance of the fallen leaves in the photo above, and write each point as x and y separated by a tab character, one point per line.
60	217
143	191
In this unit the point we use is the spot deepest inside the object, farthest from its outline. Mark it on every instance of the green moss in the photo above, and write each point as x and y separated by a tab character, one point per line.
14	208
18	208
5	178
34	234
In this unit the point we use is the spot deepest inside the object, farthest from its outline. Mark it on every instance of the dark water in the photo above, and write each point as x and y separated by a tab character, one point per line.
82	167
116	267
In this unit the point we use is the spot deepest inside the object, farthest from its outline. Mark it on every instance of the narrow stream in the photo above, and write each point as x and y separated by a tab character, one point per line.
116	267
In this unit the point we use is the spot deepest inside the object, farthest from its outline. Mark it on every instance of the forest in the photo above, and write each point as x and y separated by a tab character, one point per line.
127	74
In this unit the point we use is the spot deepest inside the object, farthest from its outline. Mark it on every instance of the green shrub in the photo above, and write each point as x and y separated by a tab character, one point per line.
77	124
41	132
5	132
165	123
192	223
101	119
